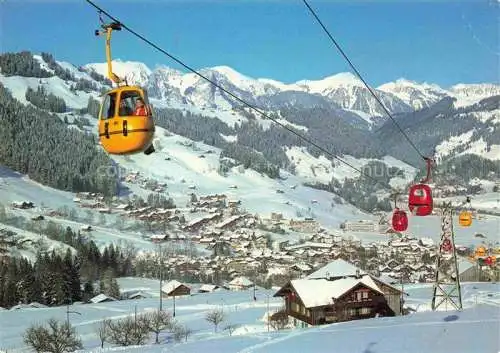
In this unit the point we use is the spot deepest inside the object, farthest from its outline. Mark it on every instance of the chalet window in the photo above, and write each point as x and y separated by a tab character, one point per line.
365	311
365	294
358	296
351	312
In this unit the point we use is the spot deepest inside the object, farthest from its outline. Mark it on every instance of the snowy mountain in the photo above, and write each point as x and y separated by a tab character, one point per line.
348	92
469	94
343	90
135	73
415	94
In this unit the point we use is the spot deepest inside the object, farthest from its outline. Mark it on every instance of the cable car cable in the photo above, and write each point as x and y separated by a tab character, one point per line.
180	62
360	77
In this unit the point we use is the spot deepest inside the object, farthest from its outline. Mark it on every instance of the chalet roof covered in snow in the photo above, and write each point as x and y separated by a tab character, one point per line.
171	286
208	288
336	268
241	281
320	292
101	298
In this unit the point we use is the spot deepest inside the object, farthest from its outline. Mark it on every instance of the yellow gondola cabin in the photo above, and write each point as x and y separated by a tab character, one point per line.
126	124
120	131
465	218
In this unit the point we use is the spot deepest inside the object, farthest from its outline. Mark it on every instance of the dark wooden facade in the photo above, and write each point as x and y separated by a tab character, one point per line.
360	302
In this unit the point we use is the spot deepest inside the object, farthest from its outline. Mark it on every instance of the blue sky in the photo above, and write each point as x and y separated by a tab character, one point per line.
444	42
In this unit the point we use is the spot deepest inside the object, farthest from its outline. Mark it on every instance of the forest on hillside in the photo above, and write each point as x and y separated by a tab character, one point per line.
39	144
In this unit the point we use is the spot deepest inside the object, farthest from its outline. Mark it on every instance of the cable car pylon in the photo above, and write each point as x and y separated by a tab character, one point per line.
447	277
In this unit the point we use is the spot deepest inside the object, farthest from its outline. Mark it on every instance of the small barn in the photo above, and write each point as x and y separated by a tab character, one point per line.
139	295
175	289
102	298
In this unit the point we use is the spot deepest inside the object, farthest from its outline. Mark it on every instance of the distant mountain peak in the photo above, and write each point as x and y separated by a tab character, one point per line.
403	83
231	73
337	80
134	72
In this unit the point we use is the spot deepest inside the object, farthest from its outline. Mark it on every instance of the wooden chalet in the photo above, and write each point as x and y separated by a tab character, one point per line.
101	298
339	292
175	289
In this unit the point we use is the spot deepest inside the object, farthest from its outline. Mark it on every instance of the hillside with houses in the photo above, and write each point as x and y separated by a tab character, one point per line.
214	240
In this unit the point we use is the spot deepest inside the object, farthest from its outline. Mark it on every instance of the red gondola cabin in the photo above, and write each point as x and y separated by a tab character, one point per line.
399	220
420	200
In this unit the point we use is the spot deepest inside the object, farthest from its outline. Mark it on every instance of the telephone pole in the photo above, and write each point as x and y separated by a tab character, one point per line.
70	312
160	258
268	317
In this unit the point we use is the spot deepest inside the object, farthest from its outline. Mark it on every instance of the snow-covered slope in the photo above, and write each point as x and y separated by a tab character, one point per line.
319	169
184	164
469	94
474	330
74	99
460	145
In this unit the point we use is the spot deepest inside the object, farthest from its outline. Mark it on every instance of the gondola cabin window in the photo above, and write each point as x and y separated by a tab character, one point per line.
108	106
128	102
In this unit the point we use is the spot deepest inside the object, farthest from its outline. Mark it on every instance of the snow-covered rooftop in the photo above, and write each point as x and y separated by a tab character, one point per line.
241	281
336	268
319	292
171	286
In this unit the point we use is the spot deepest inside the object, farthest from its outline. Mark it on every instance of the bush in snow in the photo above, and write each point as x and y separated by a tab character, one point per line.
159	321
279	320
58	338
215	317
129	331
181	332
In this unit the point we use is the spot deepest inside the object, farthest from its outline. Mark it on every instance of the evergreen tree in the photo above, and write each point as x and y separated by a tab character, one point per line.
112	287
88	292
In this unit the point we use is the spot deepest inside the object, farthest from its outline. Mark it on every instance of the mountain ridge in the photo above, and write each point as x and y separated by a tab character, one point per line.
342	89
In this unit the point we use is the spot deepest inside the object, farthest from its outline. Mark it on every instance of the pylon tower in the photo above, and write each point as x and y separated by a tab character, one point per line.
447	280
